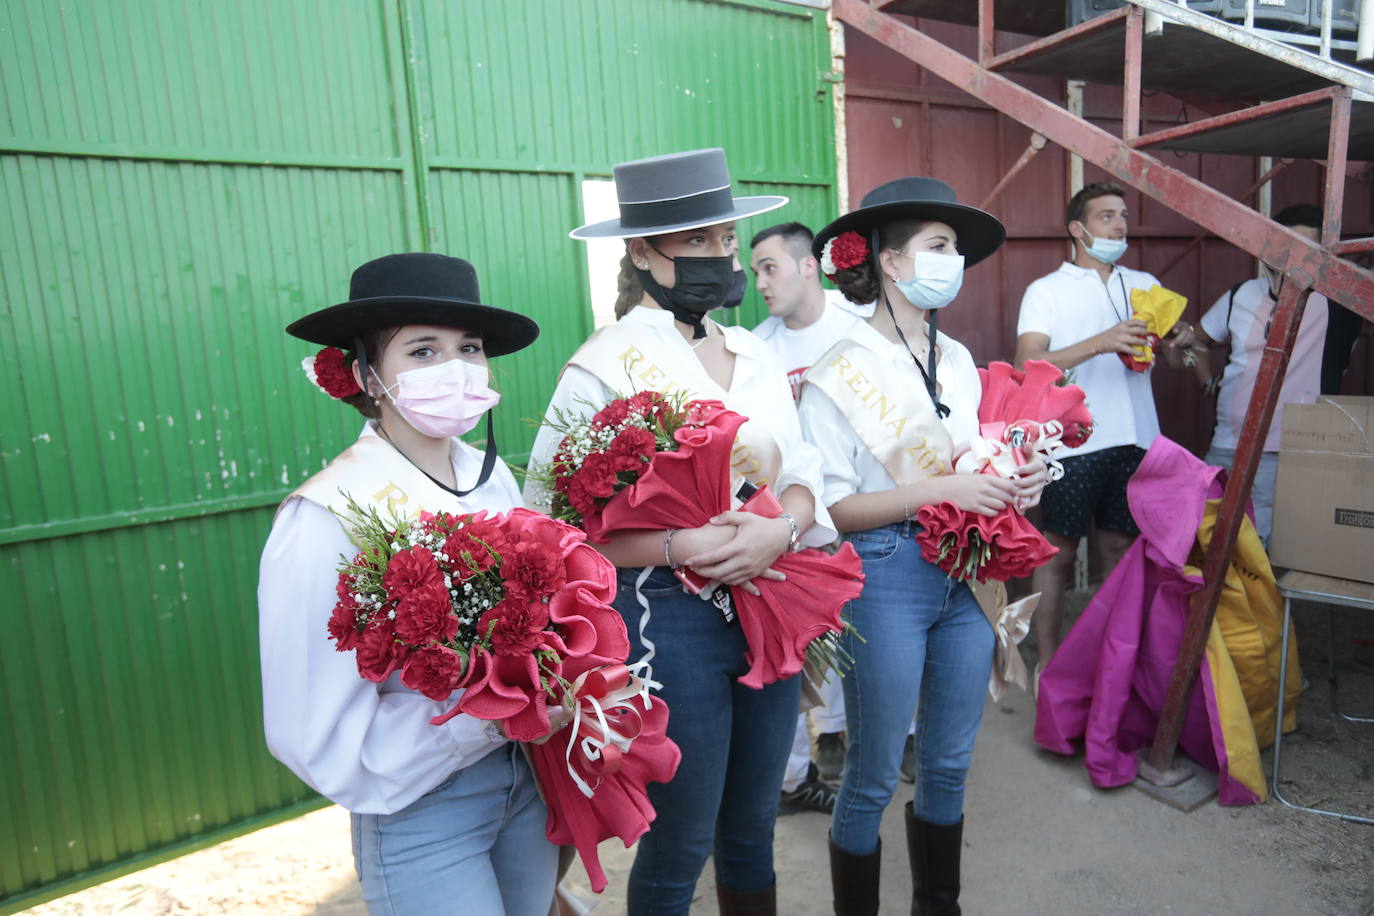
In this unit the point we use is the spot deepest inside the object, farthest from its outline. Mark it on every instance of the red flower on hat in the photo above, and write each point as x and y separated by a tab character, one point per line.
846	250
328	371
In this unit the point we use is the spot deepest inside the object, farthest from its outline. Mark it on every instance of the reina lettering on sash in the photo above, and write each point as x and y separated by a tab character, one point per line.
886	411
377	476
391	495
749	462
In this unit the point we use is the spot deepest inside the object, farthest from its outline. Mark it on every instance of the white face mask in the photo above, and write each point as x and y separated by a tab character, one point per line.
936	281
1108	251
443	400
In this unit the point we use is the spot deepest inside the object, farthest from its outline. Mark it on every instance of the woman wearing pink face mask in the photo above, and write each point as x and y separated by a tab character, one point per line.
436	810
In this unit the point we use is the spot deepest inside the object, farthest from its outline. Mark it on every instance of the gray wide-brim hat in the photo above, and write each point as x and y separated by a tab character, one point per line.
416	288
980	233
671	193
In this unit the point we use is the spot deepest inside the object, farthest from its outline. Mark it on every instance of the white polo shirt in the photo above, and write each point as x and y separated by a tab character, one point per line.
1244	323
1071	305
798	348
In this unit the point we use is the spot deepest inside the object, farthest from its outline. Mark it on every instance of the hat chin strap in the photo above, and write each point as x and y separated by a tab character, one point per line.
488	459
941	409
661	295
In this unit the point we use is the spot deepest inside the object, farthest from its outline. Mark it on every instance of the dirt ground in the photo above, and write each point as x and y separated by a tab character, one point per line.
1039	837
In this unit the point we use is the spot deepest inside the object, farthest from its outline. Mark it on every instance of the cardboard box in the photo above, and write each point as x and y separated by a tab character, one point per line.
1324	502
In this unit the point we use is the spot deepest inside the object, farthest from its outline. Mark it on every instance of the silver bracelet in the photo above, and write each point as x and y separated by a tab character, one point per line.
795	536
668	546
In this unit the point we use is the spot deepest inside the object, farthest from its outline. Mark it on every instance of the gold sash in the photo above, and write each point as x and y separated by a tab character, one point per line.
896	421
377	476
628	358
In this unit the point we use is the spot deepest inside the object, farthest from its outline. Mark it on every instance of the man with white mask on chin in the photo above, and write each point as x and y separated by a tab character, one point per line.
1079	319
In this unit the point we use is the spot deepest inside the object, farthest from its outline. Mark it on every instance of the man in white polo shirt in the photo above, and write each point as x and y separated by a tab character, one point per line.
1079	318
1242	318
801	325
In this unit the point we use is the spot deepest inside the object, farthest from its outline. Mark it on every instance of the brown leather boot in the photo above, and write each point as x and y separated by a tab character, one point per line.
753	903
934	851
854	880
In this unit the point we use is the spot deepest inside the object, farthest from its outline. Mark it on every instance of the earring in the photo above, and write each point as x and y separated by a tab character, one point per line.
642	265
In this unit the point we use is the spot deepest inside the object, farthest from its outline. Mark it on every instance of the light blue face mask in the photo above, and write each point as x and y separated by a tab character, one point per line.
936	281
1108	251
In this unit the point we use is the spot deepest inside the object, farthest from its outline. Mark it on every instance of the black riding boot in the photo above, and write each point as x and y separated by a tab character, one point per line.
934	852
855	881
754	903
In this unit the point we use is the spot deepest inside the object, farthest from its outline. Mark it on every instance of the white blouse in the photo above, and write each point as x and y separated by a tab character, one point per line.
367	746
758	389
849	466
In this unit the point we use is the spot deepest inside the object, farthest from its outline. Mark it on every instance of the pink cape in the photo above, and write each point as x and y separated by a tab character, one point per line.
686	489
1103	689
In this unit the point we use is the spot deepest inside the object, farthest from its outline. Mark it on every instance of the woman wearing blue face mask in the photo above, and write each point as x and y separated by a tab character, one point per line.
889	408
436	810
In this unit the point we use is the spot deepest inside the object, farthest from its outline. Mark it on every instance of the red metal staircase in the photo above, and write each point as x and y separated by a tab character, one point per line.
1269	99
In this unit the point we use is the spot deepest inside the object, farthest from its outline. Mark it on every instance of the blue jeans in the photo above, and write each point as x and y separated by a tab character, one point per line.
734	743
928	641
1261	492
474	844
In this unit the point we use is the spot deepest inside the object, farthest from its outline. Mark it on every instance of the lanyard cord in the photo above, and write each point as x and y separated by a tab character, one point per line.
1125	297
488	461
941	409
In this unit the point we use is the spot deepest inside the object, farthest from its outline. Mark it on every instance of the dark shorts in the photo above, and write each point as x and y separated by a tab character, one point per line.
1093	489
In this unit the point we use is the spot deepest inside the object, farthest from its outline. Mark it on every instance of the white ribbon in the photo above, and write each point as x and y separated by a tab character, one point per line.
591	746
993	453
642	669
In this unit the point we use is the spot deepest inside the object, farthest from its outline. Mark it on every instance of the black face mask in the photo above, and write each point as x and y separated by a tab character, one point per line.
736	294
702	284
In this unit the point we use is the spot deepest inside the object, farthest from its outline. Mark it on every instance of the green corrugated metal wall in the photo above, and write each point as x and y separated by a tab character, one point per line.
180	180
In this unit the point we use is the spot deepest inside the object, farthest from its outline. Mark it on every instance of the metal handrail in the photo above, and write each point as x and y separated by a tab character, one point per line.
1258	40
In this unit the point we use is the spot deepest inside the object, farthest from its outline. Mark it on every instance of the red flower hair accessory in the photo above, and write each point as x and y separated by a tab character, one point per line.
846	250
328	371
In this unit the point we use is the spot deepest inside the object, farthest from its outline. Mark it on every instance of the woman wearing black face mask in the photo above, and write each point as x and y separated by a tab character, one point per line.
678	220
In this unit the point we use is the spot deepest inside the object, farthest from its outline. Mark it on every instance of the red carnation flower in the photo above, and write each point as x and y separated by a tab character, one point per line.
476	547
645	403
409	570
424	615
378	653
515	627
631	450
613	414
333	376
848	250
532	572
597	475
434	671
343	623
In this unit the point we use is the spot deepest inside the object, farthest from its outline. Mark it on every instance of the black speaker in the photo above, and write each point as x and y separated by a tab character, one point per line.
1272	14
1345	16
1079	11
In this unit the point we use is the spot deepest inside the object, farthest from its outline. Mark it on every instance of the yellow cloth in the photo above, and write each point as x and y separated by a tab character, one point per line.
1160	309
1243	650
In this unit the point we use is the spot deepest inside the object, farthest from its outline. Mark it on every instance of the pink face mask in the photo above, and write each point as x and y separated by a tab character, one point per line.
443	400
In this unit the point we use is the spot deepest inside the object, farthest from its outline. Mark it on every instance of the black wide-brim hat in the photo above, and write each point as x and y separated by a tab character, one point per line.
674	192
416	288
980	233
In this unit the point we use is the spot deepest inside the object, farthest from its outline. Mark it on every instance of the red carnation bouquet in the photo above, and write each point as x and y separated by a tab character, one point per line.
514	610
1021	415
651	461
